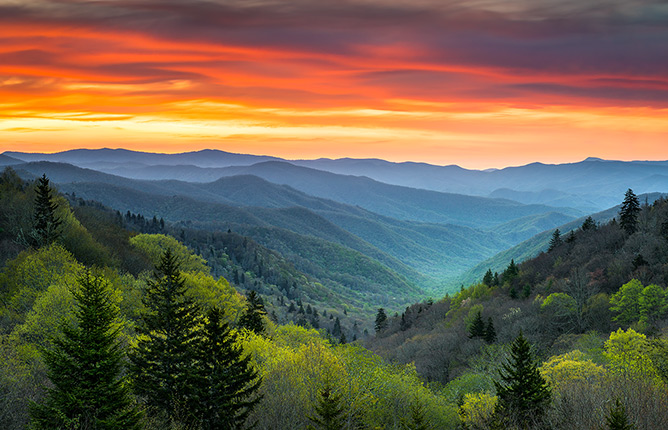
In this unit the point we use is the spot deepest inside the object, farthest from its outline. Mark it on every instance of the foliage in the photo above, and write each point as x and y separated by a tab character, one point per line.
617	418
571	367
626	302
628	214
164	357
227	383
154	245
46	224
629	354
556	240
85	368
477	409
328	411
254	314
523	394
477	327
381	320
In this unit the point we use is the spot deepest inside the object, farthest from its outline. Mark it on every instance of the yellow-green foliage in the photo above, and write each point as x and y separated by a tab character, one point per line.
31	273
477	408
296	362
209	292
629	354
573	366
154	245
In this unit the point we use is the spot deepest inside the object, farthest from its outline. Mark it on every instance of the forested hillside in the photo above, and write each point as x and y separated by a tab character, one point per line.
570	339
594	307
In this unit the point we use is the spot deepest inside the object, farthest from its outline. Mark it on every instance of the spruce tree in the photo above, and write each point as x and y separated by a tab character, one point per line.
628	214
477	327
490	331
523	394
588	224
85	367
46	224
163	363
555	241
488	279
329	410
253	316
418	420
617	418
381	320
227	383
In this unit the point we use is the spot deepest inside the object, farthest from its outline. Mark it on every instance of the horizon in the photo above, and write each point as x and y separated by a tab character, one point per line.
591	157
475	84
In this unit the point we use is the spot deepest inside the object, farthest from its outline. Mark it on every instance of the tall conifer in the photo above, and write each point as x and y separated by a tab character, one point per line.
253	316
46	224
628	214
164	359
85	367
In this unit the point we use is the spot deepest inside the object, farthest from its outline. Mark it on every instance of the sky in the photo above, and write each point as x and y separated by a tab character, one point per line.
478	83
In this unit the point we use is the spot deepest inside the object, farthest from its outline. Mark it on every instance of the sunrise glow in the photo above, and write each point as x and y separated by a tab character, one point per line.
487	85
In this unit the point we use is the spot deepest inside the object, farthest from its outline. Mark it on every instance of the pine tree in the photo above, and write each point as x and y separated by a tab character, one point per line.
588	224
490	332
555	241
628	214
381	320
477	327
163	361
329	410
227	383
617	418
523	395
511	272
46	224
253	316
488	279
85	367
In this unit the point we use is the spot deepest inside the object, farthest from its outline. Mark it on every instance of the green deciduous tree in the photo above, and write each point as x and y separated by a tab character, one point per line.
626	302
164	358
628	214
254	314
85	367
227	382
523	394
46	224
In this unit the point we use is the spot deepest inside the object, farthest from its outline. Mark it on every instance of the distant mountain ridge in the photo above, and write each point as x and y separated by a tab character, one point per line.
590	185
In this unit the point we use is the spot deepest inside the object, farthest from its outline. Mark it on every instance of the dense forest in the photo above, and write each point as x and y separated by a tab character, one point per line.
116	320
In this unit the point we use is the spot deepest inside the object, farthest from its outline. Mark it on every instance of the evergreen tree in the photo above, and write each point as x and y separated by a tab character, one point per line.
336	331
163	363
253	316
617	418
85	367
329	410
571	237
381	320
227	384
523	395
555	241
588	224
418	420
46	224
477	327
488	279
490	332
511	272
628	214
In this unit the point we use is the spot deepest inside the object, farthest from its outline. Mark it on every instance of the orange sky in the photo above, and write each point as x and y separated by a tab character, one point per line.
495	84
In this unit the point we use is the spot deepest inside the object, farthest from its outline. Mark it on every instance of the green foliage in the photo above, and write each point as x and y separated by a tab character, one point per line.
227	384
155	245
617	419
381	320
46	224
477	409
571	367
556	240
628	214
588	224
652	303
164	357
630	354
626	302
328	411
490	331
254	314
85	368
477	327
523	394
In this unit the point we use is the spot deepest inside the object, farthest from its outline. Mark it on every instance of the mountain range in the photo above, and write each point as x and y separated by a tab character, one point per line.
413	218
